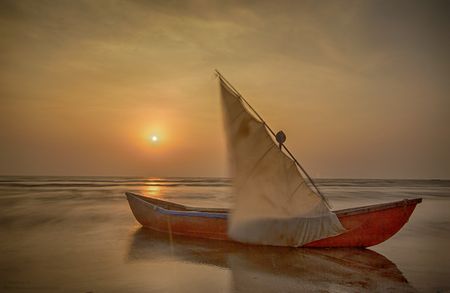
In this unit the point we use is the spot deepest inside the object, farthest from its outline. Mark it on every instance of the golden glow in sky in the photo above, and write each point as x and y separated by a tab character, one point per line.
359	87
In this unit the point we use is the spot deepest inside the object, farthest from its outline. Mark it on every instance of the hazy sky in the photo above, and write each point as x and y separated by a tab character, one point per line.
361	88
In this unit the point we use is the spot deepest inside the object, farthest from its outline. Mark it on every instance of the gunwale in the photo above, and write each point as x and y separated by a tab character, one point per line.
168	207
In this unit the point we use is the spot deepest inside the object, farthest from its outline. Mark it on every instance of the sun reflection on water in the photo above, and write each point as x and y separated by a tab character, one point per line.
154	191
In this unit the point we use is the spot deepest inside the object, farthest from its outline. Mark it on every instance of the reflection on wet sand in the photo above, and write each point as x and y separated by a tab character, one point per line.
275	269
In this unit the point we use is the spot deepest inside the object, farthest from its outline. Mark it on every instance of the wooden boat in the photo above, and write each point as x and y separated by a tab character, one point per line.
273	203
366	226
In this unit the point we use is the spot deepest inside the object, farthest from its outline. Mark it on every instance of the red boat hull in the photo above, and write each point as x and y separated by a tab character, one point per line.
366	226
370	227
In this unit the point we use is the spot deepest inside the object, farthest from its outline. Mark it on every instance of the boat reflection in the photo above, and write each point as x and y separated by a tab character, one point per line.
276	269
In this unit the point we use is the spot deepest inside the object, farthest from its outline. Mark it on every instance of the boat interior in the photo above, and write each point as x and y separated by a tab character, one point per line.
344	212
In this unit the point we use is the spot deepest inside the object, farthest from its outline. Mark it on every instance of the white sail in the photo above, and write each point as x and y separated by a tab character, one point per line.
273	205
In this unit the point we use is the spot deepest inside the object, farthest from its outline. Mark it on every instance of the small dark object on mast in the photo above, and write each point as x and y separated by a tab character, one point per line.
281	137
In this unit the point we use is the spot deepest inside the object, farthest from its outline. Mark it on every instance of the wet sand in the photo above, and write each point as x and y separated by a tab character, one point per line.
79	236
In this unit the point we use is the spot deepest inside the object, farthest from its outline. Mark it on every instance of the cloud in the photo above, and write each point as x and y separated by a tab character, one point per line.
343	71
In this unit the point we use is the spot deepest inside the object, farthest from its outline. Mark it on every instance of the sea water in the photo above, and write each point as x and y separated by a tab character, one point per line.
77	234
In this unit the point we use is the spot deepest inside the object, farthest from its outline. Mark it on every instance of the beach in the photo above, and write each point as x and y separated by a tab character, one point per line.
77	234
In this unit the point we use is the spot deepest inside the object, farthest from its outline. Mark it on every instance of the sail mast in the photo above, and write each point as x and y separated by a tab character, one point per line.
222	78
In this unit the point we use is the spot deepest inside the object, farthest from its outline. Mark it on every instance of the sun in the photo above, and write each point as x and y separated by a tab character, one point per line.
154	138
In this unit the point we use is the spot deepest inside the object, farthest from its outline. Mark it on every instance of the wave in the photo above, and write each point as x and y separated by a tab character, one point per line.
91	185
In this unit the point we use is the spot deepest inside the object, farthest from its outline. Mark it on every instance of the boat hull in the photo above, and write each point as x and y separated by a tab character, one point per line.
369	228
366	226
